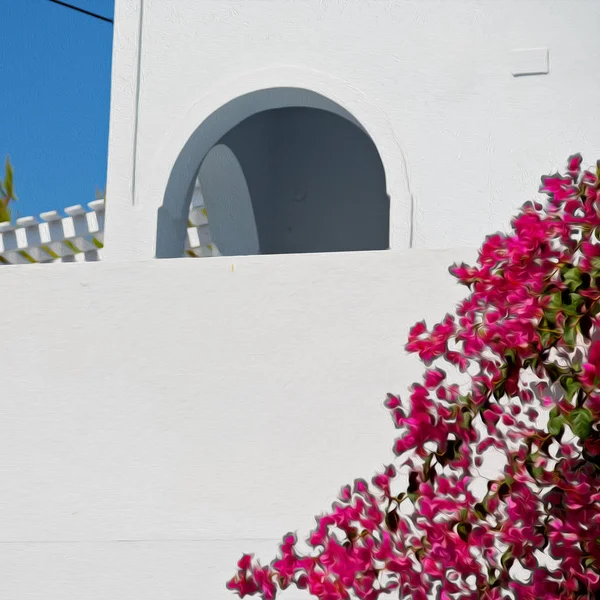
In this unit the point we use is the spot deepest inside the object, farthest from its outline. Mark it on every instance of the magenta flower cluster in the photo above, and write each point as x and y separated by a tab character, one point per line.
527	340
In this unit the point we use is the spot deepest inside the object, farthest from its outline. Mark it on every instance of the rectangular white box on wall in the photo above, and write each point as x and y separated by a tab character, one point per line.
529	61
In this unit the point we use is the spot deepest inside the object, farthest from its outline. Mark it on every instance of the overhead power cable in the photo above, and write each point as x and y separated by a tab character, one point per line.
82	10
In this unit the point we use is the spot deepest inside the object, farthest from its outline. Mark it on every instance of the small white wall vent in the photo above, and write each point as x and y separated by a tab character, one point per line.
529	61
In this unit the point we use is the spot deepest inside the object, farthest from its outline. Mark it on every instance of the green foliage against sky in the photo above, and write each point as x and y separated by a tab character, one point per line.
7	192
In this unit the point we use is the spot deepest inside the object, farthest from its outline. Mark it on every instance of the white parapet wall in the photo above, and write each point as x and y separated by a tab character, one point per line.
159	418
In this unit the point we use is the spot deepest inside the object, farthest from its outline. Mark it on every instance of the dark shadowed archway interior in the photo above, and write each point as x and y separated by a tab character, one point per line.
287	180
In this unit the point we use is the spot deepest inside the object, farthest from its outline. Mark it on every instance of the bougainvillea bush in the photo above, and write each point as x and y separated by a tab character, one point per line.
526	341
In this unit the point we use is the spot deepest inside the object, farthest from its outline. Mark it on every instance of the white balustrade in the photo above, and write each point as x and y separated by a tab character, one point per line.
79	236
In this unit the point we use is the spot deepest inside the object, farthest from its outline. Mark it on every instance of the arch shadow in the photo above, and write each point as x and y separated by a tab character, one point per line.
314	177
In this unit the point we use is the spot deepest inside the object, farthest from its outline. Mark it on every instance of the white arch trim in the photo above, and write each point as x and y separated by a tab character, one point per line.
336	95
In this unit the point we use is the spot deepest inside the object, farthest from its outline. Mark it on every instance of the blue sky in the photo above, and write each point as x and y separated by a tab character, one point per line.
55	101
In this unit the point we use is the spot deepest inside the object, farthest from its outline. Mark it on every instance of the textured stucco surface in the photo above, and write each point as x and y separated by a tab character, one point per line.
162	417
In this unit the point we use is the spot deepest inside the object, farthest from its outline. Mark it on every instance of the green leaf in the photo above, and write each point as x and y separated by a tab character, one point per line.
493	576
550	316
581	422
570	385
537	472
8	179
507	560
5	214
467	419
556	424
570	335
546	338
573	304
572	277
531	362
555	301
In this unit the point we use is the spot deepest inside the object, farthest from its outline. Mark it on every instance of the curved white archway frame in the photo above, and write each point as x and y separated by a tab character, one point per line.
168	183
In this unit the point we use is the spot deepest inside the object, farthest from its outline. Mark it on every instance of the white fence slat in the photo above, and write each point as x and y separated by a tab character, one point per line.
79	236
29	239
80	228
8	238
198	216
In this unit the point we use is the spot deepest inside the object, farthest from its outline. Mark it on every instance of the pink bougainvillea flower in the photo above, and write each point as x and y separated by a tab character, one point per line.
590	375
433	378
533	298
574	165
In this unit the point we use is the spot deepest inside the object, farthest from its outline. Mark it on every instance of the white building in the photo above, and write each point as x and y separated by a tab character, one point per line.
160	417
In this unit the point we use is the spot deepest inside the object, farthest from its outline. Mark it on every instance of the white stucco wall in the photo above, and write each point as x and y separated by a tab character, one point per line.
159	418
430	81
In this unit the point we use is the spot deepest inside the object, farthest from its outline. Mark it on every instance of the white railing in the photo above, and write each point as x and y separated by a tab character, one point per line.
79	236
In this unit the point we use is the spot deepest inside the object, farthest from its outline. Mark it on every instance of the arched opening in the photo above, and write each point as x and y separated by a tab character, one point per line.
282	171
